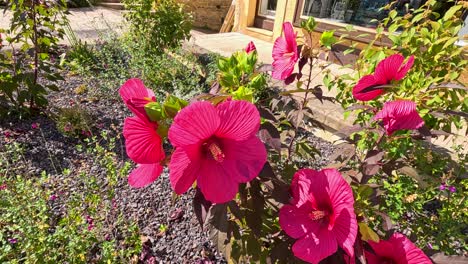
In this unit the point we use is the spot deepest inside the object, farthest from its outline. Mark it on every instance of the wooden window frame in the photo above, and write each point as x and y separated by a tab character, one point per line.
324	25
262	21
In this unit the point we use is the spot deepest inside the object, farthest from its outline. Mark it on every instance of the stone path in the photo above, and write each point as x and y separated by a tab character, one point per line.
87	23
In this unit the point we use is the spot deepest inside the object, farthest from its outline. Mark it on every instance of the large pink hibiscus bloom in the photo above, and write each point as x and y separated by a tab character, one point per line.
397	250
142	142
135	95
321	216
285	53
398	115
217	147
388	70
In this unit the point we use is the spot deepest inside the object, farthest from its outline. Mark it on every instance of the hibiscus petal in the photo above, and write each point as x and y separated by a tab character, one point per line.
364	90
296	221
341	194
388	68
405	68
240	120
290	38
399	115
142	142
244	159
310	186
216	183
282	68
194	123
371	258
133	88
409	252
285	53
315	247
135	95
184	167
144	175
382	249
345	230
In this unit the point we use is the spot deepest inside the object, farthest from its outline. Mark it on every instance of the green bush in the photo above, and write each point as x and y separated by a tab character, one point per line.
113	59
156	25
33	36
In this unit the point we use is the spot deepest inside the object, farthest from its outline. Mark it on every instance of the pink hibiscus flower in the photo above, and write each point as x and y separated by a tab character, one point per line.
217	147
250	47
397	250
321	216
285	53
135	95
142	142
388	70
398	115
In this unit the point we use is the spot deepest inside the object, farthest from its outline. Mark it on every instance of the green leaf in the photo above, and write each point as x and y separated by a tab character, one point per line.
172	105
328	39
367	233
155	111
309	24
243	93
451	12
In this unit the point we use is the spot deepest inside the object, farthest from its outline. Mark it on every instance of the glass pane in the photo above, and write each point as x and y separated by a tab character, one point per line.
268	8
358	12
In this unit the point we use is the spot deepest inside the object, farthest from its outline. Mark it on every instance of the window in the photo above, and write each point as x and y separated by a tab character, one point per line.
357	12
267	8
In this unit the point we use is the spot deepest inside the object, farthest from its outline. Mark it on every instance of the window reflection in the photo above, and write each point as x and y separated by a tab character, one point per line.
358	12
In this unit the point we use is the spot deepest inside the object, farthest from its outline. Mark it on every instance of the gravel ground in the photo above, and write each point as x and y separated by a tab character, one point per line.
47	149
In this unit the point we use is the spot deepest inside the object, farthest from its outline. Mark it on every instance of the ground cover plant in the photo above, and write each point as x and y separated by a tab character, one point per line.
240	153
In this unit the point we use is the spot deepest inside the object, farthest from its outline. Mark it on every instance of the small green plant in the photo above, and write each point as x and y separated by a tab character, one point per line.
74	121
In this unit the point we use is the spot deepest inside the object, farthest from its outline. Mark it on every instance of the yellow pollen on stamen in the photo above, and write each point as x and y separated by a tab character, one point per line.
317	215
147	99
216	152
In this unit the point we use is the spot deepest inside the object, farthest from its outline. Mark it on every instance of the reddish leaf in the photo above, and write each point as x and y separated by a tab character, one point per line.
217	225
269	135
215	88
387	223
201	207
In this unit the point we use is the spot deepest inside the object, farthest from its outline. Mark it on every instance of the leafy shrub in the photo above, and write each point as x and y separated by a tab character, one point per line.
112	60
157	25
36	28
74	121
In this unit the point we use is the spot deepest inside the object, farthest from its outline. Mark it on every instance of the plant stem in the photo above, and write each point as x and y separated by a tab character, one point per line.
36	51
304	103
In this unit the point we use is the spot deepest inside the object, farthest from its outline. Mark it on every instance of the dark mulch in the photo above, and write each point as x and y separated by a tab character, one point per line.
46	149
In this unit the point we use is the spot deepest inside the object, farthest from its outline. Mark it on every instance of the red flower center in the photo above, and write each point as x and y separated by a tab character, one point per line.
214	151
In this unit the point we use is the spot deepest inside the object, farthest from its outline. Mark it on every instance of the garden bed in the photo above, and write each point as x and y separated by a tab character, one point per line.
167	225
